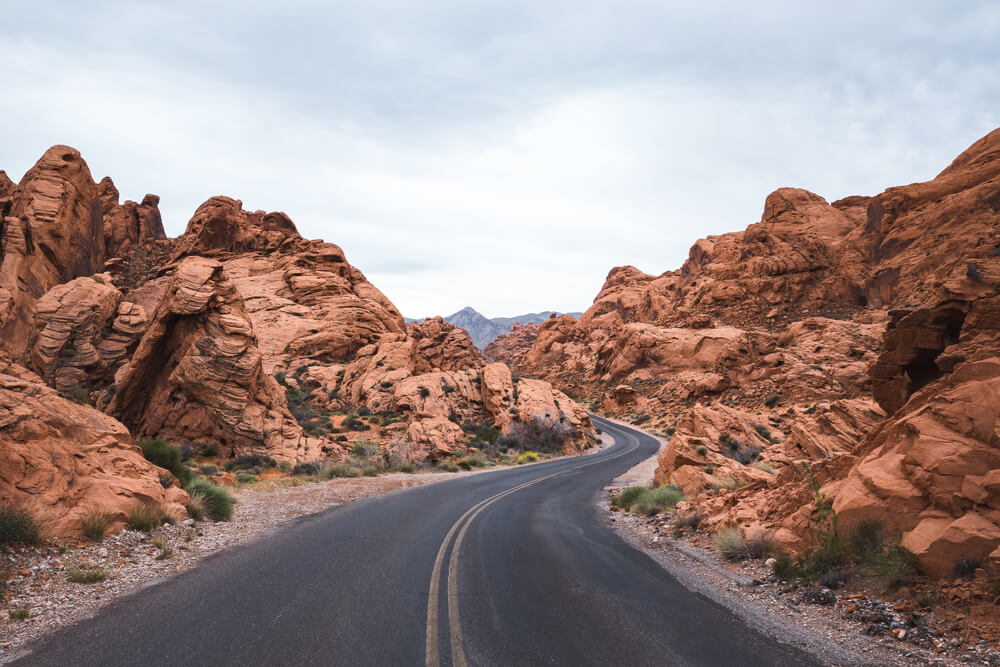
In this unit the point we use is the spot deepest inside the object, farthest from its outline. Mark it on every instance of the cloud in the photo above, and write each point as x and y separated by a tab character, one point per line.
500	155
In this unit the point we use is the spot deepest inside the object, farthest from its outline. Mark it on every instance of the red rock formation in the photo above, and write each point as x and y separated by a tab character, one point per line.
62	460
443	346
83	331
513	346
128	225
197	373
51	233
774	327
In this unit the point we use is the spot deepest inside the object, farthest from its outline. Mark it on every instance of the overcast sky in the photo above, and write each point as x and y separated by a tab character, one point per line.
499	155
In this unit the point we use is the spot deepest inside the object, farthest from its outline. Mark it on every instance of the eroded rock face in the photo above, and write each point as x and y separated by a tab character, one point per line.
513	346
197	372
442	345
810	298
62	460
929	469
130	224
51	233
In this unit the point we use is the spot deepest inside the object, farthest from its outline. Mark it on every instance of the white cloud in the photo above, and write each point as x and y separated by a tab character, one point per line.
501	156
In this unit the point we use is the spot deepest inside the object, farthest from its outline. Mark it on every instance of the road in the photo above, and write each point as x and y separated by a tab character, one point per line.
509	567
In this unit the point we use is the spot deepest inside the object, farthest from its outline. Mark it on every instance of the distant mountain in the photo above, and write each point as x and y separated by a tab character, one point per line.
483	330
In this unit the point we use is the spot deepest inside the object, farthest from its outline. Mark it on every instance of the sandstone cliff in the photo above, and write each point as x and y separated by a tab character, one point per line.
766	349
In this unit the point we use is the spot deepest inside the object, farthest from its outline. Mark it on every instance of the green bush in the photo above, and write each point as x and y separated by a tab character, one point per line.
161	453
18	614
85	574
208	469
246	477
644	500
16	525
339	470
448	466
218	503
96	524
308	468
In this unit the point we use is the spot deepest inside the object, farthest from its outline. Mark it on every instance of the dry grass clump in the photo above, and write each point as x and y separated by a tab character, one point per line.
146	516
96	524
731	543
17	525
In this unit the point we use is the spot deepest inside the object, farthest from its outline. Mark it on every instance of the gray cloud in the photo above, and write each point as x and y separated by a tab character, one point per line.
501	155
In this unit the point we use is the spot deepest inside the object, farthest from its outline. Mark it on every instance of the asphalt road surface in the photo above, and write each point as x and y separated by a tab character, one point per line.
511	567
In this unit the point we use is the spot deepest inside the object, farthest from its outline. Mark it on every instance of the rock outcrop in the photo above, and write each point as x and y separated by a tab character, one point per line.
83	331
512	347
128	225
62	460
197	372
50	232
779	337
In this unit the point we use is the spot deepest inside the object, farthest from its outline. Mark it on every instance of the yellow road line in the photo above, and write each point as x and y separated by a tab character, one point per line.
432	652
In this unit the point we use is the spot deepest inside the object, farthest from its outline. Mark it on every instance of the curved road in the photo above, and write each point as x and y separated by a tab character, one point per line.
512	567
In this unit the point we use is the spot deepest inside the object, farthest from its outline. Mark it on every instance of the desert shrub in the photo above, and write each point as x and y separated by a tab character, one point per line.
285	466
447	388
197	506
965	568
408	468
759	544
369	470
629	497
894	567
641	419
543	432
208	449
339	470
16	525
867	538
85	574
731	543
18	614
363	411
527	457
702	450
365	448
208	469
471	461
161	453
252	461
147	516
447	466
693	520
424	392
760	465
785	568
246	477
96	524
352	424
763	432
69	351
314	421
166	480
218	503
725	484
307	468
78	393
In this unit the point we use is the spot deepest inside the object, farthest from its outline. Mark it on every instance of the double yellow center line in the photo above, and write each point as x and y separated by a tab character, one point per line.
432	654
